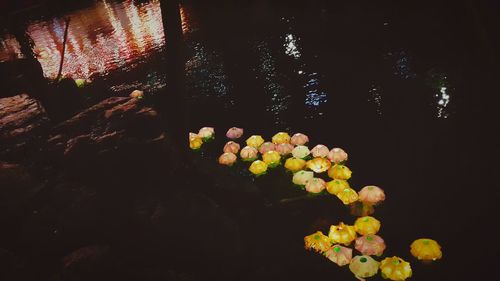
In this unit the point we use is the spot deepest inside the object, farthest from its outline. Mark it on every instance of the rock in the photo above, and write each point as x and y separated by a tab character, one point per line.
23	126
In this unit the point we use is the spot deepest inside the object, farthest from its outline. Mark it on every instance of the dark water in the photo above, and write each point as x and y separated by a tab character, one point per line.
403	88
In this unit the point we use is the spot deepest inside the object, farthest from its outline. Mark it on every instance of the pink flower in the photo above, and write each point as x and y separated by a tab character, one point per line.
267	146
232	147
371	195
234	133
371	245
299	139
249	153
206	132
315	185
320	151
284	148
227	158
339	255
337	155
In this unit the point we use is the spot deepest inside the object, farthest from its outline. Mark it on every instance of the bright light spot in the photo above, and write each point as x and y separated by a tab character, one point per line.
291	46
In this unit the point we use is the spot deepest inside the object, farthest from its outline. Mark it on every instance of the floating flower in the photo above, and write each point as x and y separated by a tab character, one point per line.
258	167
192	136
317	242
234	133
339	255
339	172
337	155
267	146
271	158
395	268
281	137
302	177
299	139
284	148
367	225
315	185
195	141
137	94
336	186
363	266
348	196
232	147
371	195
342	233
371	245
255	141
206	133
227	158
319	151
318	164
294	164
426	249
249	153
300	151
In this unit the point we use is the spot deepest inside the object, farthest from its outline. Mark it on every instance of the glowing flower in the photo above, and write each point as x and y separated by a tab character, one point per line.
318	164
426	249
360	209
271	158
371	245
342	233
258	167
319	151
299	139
234	133
281	137
337	155
347	196
339	172
300	151
315	185
249	153
336	186
206	133
302	177
294	164
371	195
267	146
255	141
395	268
192	136
284	148
227	158
339	255
318	242
137	94
232	147
195	141
367	225
363	266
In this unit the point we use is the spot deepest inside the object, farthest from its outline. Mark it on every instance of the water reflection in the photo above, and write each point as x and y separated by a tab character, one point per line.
291	46
101	38
376	98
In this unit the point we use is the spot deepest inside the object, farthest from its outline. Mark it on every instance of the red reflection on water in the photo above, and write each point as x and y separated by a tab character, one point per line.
101	38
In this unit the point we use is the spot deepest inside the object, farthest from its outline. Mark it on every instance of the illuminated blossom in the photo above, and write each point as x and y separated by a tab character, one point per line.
367	225
258	167
232	147
319	151
206	133
227	158
339	255
281	137
371	245
339	172
337	155
395	268
315	185
137	94
302	177
195	141
342	233
317	242
284	148
336	186
248	153
234	133
318	164
299	139
300	151
294	164
255	141
267	146
371	195
271	158
363	266
348	196
426	249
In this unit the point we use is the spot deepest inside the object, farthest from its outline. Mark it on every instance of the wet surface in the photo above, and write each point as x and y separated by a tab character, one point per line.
403	89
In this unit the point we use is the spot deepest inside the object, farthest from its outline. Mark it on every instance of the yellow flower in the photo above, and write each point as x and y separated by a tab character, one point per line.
348	196
255	141
294	164
271	158
342	233
339	172
302	177
281	137
195	142
318	242
363	266
258	167
318	164
367	225
426	249
395	268
336	186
